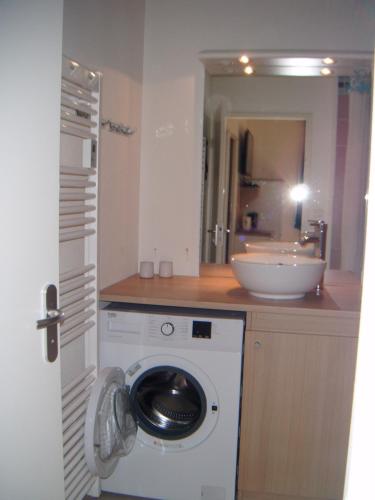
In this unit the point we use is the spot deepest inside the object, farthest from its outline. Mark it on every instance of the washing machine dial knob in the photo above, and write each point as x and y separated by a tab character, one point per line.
167	328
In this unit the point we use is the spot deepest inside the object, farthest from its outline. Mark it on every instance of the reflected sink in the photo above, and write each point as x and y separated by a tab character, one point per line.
272	246
277	276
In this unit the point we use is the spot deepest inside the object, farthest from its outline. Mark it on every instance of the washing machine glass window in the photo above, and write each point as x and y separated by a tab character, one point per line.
169	402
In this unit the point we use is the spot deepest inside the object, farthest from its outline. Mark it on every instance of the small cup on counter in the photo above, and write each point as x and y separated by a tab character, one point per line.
166	269
146	269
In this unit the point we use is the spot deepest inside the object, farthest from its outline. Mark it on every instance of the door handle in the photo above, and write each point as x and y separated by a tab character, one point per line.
216	233
54	317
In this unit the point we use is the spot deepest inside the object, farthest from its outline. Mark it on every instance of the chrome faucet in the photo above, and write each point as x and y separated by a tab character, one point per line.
319	238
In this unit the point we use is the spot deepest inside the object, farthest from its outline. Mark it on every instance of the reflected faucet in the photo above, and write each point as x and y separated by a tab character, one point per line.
319	238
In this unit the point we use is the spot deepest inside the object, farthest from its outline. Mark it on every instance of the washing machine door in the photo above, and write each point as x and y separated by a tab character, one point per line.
174	400
110	428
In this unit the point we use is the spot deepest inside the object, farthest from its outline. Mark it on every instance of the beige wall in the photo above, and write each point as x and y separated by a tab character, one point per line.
108	35
278	148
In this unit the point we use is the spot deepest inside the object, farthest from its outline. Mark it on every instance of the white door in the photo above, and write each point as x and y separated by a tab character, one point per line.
223	194
233	195
217	196
31	434
227	194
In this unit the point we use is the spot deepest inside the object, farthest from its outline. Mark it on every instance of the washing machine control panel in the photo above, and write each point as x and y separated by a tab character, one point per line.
177	329
174	331
200	329
167	328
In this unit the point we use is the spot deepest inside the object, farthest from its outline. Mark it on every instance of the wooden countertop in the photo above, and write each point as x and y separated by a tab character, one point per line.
216	288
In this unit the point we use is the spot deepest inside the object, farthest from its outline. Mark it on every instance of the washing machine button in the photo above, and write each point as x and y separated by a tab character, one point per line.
167	328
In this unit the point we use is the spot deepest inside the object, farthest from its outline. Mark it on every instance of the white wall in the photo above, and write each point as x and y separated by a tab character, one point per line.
108	35
360	471
176	31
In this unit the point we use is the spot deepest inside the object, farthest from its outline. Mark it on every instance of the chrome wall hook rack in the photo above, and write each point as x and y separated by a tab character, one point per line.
118	128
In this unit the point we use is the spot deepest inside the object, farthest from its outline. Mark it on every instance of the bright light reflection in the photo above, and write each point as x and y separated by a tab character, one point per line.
299	61
299	192
325	71
328	60
244	59
249	70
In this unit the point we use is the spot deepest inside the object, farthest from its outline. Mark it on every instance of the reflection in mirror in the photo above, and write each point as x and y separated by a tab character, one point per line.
281	151
267	166
271	164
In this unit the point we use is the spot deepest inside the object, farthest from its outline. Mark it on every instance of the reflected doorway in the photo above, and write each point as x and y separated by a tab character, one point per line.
248	176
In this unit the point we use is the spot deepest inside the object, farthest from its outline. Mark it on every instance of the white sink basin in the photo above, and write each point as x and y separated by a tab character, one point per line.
277	276
272	246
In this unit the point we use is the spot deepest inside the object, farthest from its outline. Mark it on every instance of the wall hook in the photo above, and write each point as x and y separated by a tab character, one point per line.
118	128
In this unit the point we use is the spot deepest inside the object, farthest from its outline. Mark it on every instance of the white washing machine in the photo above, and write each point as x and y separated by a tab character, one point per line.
171	405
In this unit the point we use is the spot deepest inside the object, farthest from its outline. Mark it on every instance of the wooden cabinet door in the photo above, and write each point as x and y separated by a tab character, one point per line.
296	408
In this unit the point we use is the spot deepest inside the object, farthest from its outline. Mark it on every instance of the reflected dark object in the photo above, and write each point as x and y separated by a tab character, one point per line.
254	219
246	166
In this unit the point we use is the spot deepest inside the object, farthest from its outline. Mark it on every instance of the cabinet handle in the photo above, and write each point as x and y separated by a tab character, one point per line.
257	344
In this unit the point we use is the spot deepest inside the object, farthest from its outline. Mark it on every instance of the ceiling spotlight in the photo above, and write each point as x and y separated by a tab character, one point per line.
325	71
244	59
249	70
328	60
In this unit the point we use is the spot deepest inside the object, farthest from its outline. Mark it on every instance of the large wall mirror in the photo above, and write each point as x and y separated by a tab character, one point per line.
285	144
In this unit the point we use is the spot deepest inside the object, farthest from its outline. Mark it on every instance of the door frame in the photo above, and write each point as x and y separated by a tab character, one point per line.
359	473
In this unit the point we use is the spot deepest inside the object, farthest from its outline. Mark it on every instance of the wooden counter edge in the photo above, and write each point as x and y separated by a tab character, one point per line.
119	292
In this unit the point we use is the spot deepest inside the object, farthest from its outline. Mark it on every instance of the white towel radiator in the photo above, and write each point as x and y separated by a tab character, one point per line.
80	125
